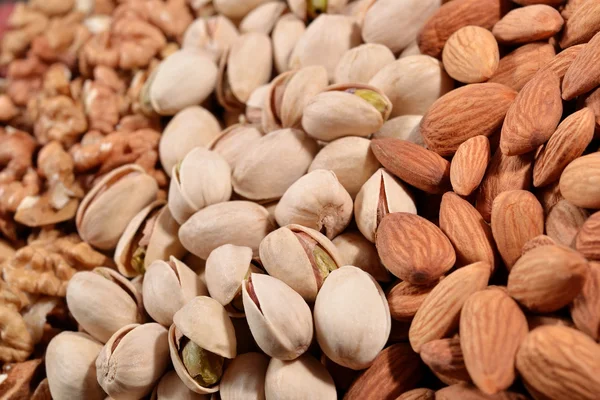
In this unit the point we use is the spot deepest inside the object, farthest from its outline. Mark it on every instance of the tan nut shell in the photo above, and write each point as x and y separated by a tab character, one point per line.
106	210
103	304
283	326
263	18
167	289
286	33
226	268
234	141
302	378
298	7
245	378
397	195
191	127
171	387
71	367
352	318
255	104
356	250
236	9
360	64
405	127
212	35
133	360
318	201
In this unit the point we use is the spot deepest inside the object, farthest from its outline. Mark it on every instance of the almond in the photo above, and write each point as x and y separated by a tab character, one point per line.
563	60
469	164
528	24
565	145
537	320
560	363
549	196
593	102
471	55
405	299
492	326
579	181
547	278
587	241
439	314
413	249
553	3
472	110
469	234
584	73
534	115
564	221
445	358
464	391
518	67
582	24
569	8
517	217
585	309
538	241
418	394
413	164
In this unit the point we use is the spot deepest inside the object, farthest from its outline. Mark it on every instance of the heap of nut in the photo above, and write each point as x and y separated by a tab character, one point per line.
301	199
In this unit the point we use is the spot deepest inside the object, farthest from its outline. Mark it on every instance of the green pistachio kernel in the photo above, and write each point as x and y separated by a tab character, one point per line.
324	262
315	7
137	260
203	366
373	98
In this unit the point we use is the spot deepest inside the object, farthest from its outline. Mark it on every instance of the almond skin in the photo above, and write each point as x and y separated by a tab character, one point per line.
588	238
582	24
579	181
445	358
534	115
549	196
492	326
418	394
564	222
472	110
583	75
439	314
557	362
469	164
585	309
404	299
563	60
593	102
528	24
413	249
517	217
471	55
463	391
413	164
547	278
518	67
538	241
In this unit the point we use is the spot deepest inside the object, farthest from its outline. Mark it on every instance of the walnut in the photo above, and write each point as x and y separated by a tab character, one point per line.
52	7
8	110
59	118
173	17
25	24
57	80
25	79
22	379
138	42
16	343
104	100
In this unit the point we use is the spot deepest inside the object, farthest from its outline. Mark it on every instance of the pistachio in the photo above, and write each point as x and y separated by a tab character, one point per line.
411	50
263	18
356	250
352	318
171	387
308	10
285	35
405	127
245	378
234	141
360	64
236	9
279	319
255	104
211	35
358	9
204	367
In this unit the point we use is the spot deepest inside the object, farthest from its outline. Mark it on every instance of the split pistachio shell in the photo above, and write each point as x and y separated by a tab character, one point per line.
236	9
301	257
102	302
133	360
351	159
360	64
325	41
211	35
411	50
71	367
191	127
245	378
346	110
263	18
356	250
170	387
308	10
405	127
302	378
413	84
279	319
241	223
257	177
358	9
106	210
234	141
352	318
380	195
183	79
203	178
286	33
256	104
168	286
318	201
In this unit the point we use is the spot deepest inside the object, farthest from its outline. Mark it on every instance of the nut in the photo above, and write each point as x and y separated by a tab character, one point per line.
303	376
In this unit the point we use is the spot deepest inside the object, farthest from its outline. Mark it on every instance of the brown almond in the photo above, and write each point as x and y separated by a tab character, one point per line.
413	249
579	181
553	3
472	110
587	241
585	309
538	241
528	24
549	196
582	24
469	164
404	299
417	394
564	222
445	358
471	55
518	67
592	101
561	62
463	391
583	74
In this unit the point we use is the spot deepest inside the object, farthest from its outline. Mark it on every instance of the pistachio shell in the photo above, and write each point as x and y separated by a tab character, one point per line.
70	366
168	286
256	103
358	9
302	378
299	7
286	33
360	64
191	127
242	223
352	318
245	378
226	268
411	50
234	141
405	127
171	387
236	9
263	18
356	250
106	210
211	35
280	321
413	84
133	360
102	302
373	202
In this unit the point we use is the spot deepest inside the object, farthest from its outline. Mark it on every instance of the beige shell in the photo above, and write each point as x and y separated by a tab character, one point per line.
352	318
302	378
411	50
211	35
366	206
263	18
351	159
171	387
133	360
360	64
242	223
234	141
358	9
413	84
204	178
183	79
257	177
71	366
281	323
106	210
405	127
236	9
318	201
191	127
286	33
245	378
325	41
102	302
163	240
168	286
356	250
299	7
255	104
285	258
